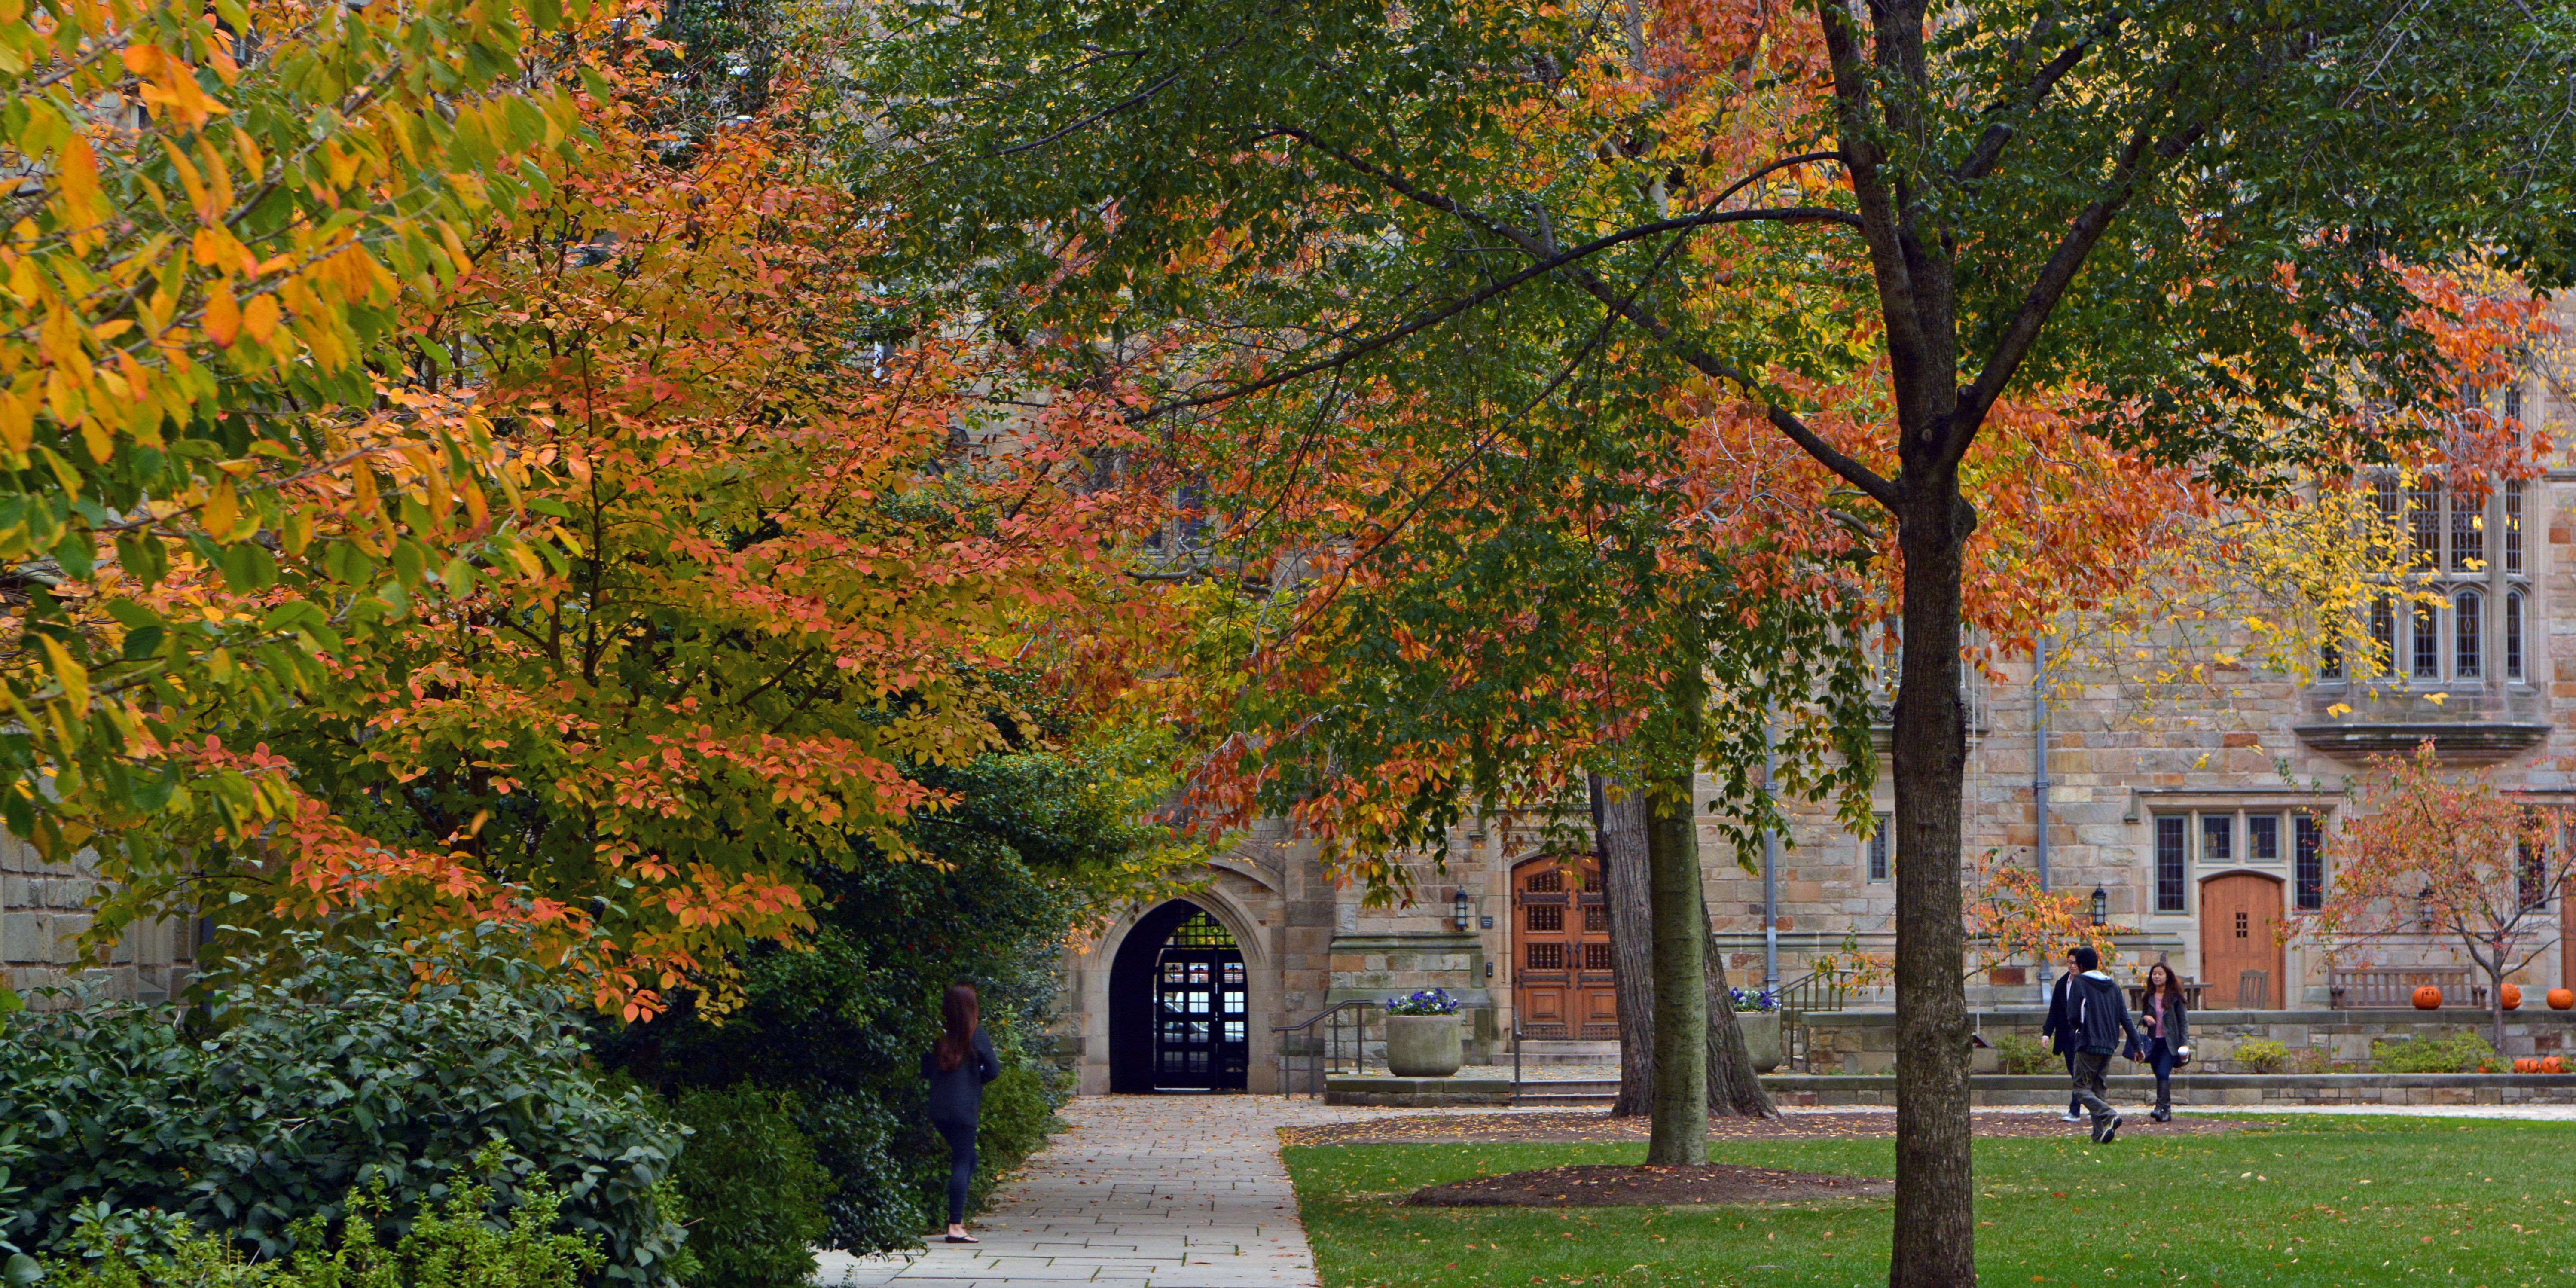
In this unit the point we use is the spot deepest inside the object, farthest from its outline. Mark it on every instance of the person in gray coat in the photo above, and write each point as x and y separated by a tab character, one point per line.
958	1065
2165	1021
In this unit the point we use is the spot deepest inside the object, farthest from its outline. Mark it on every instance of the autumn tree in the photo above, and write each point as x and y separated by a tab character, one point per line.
1865	229
210	237
2434	855
458	465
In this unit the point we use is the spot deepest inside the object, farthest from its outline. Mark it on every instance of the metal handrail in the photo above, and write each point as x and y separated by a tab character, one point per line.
1807	995
1316	1053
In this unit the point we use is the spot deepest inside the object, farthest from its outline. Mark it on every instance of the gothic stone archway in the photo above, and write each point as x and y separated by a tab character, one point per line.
1180	1014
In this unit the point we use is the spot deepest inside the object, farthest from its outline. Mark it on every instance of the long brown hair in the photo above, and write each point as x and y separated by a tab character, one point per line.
2173	984
958	1011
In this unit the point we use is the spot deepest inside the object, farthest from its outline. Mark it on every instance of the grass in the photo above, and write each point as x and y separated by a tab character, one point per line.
2320	1201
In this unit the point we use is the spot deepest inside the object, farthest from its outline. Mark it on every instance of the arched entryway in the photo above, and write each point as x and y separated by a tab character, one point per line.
2240	942
1179	1005
1562	986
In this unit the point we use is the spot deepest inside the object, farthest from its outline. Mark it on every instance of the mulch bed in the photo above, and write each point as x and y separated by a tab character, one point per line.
1581	1126
1601	1186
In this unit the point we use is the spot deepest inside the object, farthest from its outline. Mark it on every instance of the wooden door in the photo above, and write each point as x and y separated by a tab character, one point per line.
2240	923
1561	982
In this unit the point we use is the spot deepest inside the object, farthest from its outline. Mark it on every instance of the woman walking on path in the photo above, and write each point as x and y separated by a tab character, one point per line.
958	1065
2166	1021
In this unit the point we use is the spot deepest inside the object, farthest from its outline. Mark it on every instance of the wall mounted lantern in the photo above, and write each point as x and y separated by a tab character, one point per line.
1460	910
2101	906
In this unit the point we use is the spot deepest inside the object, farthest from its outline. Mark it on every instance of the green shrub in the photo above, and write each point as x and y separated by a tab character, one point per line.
2461	1054
2308	1059
450	1245
843	1022
753	1191
2262	1055
342	1075
2017	1054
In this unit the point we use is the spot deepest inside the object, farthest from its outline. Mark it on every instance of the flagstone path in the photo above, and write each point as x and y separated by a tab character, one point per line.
1142	1192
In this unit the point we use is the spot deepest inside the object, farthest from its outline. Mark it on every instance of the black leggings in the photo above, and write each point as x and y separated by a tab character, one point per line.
961	1166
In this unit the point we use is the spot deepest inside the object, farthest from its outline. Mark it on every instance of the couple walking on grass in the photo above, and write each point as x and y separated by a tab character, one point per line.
2088	1017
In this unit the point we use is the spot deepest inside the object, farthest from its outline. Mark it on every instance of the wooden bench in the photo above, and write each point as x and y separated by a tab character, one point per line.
2393	987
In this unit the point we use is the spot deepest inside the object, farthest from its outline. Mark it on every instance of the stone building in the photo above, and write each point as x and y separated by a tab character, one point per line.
45	907
2200	828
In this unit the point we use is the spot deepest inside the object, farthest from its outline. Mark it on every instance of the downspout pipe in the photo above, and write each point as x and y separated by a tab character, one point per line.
2039	773
1770	869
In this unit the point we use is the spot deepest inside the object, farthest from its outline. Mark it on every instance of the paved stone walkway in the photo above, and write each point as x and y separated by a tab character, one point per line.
1142	1192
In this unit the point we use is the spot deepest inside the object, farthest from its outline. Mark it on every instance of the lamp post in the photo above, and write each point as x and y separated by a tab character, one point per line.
2424	910
2101	906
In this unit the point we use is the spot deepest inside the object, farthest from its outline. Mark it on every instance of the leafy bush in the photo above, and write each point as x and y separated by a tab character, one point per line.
2461	1054
2262	1055
449	1246
2308	1060
345	1074
753	1191
2017	1054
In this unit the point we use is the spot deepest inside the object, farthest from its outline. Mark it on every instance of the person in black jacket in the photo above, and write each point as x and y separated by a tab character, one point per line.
2099	1017
958	1065
2166	1022
2056	1032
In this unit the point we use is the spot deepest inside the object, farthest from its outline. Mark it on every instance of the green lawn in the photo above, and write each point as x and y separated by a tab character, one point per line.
2356	1201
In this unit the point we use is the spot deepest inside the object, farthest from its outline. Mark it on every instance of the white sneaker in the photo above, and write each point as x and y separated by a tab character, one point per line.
2071	1117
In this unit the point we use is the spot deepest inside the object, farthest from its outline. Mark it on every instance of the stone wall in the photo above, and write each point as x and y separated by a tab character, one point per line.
44	908
1864	1042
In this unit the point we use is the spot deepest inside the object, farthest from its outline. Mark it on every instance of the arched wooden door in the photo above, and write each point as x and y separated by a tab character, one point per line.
1561	983
2240	923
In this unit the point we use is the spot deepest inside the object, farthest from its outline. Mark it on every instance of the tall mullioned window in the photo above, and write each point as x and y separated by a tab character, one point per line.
2309	881
2172	861
2463	613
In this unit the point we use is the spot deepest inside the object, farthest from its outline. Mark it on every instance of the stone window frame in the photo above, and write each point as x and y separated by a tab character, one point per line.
2185	806
1878	850
2486	553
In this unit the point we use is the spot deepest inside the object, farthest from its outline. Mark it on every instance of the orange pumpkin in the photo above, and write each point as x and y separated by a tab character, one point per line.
2561	999
2552	1064
2525	1064
2512	996
2428	998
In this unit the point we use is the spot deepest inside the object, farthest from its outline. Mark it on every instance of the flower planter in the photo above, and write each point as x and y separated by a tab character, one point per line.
1423	1046
1761	1038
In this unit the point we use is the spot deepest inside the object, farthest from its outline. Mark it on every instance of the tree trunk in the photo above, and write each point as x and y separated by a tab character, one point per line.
1733	1086
1935	1235
1680	1134
1627	881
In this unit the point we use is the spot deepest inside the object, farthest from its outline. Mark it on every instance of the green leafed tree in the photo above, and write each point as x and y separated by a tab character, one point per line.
1878	237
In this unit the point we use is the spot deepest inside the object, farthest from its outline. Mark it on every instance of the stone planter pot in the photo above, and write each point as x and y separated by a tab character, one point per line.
1423	1046
1761	1038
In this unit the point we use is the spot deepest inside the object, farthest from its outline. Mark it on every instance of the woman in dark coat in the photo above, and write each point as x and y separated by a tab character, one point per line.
958	1065
2165	1022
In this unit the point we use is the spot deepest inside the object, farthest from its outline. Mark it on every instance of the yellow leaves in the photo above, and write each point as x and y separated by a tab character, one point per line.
223	316
70	674
170	85
223	511
260	319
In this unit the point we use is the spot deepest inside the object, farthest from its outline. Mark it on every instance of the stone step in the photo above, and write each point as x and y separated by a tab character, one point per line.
1569	1051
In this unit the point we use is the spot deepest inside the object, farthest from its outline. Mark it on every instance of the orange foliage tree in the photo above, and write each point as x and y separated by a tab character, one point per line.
2428	856
690	557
